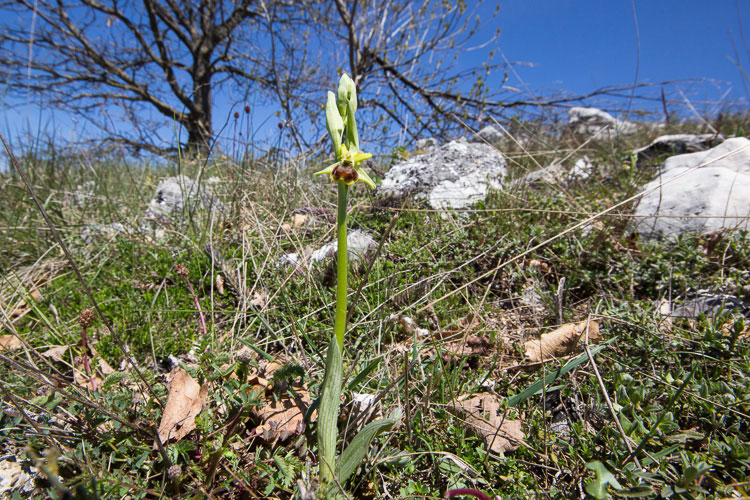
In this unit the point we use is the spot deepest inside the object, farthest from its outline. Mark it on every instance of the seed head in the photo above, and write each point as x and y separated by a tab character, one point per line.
236	114
86	318
247	109
181	270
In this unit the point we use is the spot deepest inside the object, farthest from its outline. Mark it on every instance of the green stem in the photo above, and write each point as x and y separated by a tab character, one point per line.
339	326
330	397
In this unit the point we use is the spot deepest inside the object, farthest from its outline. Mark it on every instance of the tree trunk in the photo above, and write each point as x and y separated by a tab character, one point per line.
199	134
199	126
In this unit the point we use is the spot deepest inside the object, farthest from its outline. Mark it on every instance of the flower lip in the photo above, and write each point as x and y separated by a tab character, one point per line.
348	169
346	172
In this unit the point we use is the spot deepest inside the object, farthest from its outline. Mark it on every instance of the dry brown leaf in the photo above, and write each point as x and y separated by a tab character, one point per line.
10	343
184	403
56	353
91	383
480	414
22	307
268	368
105	368
298	220
284	417
259	299
561	342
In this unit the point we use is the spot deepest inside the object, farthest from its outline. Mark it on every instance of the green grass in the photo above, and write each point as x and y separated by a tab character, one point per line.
679	389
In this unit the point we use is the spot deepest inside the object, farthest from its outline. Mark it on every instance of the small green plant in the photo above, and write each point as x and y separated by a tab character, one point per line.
342	127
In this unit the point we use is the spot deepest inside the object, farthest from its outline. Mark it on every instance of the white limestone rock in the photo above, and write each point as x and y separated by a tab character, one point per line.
357	244
698	193
556	174
454	176
176	194
590	121
424	145
552	175
489	135
582	170
107	231
679	144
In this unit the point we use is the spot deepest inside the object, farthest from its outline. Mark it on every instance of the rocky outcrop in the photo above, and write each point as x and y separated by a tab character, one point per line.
698	193
358	243
678	144
175	196
590	121
488	135
455	175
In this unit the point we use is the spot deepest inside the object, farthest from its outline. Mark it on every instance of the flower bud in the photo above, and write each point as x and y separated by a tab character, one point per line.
347	96
334	124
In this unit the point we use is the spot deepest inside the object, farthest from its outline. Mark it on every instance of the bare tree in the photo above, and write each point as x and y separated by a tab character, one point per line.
410	61
154	58
161	61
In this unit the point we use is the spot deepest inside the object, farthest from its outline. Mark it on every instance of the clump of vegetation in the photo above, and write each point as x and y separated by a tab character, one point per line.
658	409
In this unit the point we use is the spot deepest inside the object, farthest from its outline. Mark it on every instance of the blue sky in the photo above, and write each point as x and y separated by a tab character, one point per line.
575	46
581	45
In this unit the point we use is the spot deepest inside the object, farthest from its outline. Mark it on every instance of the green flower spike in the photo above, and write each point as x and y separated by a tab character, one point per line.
335	470
340	109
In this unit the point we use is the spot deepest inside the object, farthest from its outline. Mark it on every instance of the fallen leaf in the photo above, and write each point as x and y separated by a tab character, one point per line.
220	284
56	353
480	414
298	220
184	403
91	383
480	345
9	343
259	299
284	417
561	342
22	307
105	368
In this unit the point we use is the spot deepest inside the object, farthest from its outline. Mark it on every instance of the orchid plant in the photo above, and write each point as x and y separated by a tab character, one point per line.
347	170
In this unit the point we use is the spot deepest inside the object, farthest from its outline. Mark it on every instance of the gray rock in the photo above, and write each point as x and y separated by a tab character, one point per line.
357	244
176	194
424	145
456	175
553	175
709	304
591	121
678	144
698	193
557	174
489	135
109	231
83	193
582	170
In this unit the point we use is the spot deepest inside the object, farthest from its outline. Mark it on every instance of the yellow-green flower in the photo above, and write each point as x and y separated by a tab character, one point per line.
348	169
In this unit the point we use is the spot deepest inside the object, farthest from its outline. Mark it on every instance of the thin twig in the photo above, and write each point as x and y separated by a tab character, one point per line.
606	394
